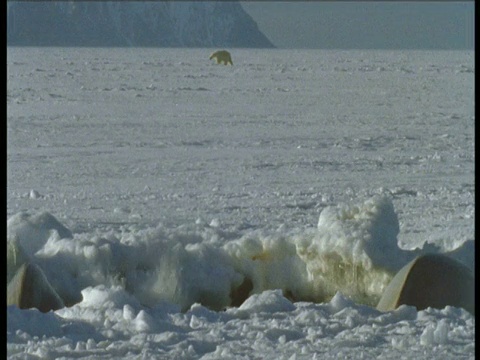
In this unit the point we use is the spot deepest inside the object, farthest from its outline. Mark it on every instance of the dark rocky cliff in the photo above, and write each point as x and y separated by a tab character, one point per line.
122	23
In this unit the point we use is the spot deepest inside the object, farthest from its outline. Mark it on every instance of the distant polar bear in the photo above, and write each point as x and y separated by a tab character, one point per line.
222	56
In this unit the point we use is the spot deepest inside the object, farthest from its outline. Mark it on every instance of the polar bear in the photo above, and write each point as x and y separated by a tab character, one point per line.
222	56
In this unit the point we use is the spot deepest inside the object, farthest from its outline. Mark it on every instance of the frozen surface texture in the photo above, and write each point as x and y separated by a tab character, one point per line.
188	210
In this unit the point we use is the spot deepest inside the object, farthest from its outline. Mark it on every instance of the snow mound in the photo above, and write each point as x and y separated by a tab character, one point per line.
270	301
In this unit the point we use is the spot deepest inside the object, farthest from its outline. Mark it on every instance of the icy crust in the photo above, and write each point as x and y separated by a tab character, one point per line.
353	250
109	322
288	294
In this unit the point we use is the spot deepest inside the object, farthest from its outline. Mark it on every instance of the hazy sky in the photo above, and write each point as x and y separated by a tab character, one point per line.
365	24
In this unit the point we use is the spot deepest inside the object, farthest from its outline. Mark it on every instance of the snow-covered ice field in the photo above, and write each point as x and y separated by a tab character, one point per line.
305	178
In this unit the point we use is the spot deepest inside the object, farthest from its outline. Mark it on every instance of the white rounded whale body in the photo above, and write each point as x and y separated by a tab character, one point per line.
29	288
431	281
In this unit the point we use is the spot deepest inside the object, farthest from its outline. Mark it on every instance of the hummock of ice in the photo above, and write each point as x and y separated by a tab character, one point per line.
155	265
